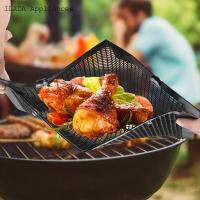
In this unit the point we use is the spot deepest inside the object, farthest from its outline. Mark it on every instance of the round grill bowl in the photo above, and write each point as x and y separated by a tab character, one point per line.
128	177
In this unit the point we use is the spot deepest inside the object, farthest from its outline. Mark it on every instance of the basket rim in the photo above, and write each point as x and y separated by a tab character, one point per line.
85	160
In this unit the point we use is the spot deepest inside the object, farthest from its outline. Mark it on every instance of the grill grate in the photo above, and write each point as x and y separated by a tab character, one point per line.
28	152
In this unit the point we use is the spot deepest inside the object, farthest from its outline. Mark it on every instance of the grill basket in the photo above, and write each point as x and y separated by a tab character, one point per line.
103	59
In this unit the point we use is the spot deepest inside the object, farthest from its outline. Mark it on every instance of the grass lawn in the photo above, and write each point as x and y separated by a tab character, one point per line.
185	187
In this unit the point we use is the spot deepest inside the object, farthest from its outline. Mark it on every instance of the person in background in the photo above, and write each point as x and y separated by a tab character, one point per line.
155	41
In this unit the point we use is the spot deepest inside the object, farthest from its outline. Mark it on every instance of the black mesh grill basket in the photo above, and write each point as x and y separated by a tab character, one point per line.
103	59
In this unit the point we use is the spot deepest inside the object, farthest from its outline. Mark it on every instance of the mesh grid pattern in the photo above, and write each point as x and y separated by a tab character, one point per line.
103	59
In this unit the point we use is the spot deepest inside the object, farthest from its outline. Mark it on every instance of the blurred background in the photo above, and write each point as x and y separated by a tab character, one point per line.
49	40
183	14
93	22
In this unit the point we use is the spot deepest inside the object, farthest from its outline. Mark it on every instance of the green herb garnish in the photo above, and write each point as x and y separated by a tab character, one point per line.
122	97
92	83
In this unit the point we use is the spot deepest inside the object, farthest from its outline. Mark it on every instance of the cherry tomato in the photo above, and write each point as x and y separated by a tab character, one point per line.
52	133
82	46
57	118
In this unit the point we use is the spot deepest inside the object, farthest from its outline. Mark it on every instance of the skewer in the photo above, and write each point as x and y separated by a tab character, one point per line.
17	140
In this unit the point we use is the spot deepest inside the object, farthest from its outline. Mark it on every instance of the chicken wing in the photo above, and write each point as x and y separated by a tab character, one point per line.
78	80
64	96
97	115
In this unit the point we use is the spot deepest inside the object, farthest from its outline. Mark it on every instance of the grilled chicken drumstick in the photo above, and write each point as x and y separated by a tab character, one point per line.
97	115
64	96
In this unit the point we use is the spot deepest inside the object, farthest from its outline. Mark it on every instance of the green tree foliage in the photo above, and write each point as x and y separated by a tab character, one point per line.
23	15
96	17
184	15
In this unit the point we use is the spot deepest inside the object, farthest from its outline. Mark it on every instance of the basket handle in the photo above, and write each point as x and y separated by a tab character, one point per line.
185	132
38	84
4	82
185	115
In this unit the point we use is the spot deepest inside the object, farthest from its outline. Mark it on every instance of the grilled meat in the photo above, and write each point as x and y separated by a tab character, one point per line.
30	129
14	131
37	122
110	83
23	121
64	96
78	80
94	113
140	111
97	115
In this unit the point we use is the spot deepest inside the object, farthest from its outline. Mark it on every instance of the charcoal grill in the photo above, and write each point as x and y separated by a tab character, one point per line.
115	171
